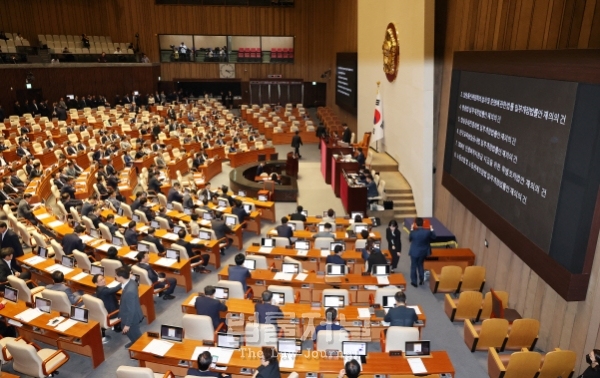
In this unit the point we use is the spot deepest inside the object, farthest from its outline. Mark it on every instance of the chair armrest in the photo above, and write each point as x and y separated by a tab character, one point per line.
482	285
496	368
79	300
382	340
159	290
169	374
61	363
449	307
33	344
249	294
108	317
470	334
297	297
434	281
220	327
371	299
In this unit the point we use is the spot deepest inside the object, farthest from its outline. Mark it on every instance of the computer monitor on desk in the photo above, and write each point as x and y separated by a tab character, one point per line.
289	346
223	203
250	264
96	269
267	242
278	299
231	220
204	235
141	247
11	294
227	340
303	245
337	301
332	245
171	333
420	348
290	268
336	270
381	270
221	292
389	301
68	261
79	314
43	304
358	228
42	252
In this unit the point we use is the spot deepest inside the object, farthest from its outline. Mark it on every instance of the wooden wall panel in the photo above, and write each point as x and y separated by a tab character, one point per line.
515	25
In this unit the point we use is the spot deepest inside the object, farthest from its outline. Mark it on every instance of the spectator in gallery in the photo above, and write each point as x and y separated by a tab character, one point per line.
85	41
118	51
102	58
145	59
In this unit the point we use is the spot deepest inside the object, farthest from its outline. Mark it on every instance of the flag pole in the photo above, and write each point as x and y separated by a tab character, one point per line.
377	141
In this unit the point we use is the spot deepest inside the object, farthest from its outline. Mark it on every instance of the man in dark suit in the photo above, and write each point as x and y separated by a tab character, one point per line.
61	113
110	223
239	272
238	209
174	194
330	323
284	230
108	296
209	306
73	241
400	315
70	150
68	188
49	143
206	193
59	285
298	216
267	312
375	256
420	247
347	135
143	259
22	150
189	247
153	183
15	180
371	187
296	143
336	258
6	269
18	110
221	229
154	240
130	234
24	210
130	310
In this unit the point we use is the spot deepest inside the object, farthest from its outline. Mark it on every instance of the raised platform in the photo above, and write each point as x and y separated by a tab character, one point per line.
242	178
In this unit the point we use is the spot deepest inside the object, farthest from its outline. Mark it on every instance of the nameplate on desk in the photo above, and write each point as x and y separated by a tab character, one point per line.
153	335
395	353
353	287
259	283
305	286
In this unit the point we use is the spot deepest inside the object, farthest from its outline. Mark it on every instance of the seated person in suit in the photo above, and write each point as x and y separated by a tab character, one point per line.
326	233
375	255
330	217
284	230
210	306
357	219
239	272
204	361
189	247
158	279
130	234
267	312
401	315
24	210
110	223
351	369
330	323
238	209
154	240
95	216
73	241
336	258
59	278
371	188
113	254
298	215
6	254
174	193
108	296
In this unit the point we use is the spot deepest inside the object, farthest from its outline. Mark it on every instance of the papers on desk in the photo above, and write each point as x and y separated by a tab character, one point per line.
86	238
131	255
224	354
221	208
301	276
29	314
416	365
15	323
165	261
325	252
62	327
171	236
302	252
55	223
34	260
192	302
143	228
287	361
416	308
198	351
115	283
79	276
158	347
196	241
371	234
43	216
104	247
371	287
280	276
62	268
265	249
383	280
364	313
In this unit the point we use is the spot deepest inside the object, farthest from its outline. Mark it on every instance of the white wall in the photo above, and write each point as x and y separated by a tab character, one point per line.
408	101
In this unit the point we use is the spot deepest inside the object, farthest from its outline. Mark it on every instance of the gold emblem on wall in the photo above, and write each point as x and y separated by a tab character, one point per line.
391	52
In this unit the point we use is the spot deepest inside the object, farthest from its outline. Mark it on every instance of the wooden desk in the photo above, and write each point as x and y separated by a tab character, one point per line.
237	159
211	169
47	158
354	197
339	221
377	362
327	151
180	164
337	165
84	184
81	338
441	257
39	273
217	153
339	235
145	162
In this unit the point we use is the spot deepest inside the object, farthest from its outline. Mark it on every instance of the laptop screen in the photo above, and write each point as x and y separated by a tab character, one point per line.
389	301
94	233
187	211
227	340
262	198
135	218
204	235
11	294
333	244
43	252
43	304
207	216
289	268
117	241
334	301
142	247
248	208
354	348
241	193
381	270
171	333
417	348
230	220
67	261
359	227
223	203
336	270
155	225
221	292
267	242
250	264
321	228
79	314
176	229
278	299
97	269
302	244
172	254
120	211
291	346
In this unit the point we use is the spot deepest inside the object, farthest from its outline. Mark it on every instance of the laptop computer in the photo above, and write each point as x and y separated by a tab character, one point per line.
221	292
248	208
204	235
420	348
155	225
241	193
79	314
354	350
290	268
263	198
333	244
267	242
96	269
223	203
278	299
250	264
381	270
171	333
141	247
94	233
68	261
389	301
187	211
172	254
289	346
303	245
359	227
227	340
43	252
207	216
336	270
336	301
117	241
135	218
43	304
11	294
231	220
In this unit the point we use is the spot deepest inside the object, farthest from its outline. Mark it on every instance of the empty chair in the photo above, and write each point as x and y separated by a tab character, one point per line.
468	306
323	242
260	335
83	260
523	334
486	309
520	365
58	250
281	241
396	337
447	281
60	300
298	224
110	267
236	290
141	372
5	356
36	363
331	340
473	279
288	292
491	333
25	294
558	363
261	261
199	327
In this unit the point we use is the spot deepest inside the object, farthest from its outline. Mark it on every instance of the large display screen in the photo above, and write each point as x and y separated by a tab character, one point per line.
510	143
345	81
